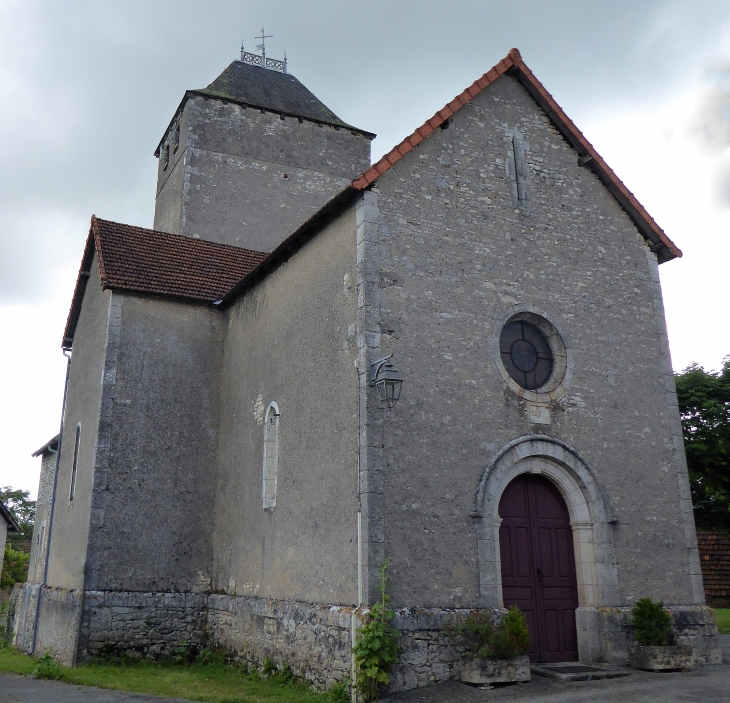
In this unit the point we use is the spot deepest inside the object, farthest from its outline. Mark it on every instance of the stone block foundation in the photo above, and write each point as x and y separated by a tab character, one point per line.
314	640
146	624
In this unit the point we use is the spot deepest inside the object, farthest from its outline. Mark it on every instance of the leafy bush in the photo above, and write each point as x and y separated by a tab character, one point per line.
47	668
213	657
652	623
269	667
508	639
181	653
15	567
340	692
376	646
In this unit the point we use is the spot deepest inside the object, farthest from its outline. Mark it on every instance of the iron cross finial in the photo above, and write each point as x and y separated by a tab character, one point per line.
262	46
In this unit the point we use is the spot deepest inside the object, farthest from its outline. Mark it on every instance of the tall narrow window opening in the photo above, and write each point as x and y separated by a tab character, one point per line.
75	463
271	455
176	138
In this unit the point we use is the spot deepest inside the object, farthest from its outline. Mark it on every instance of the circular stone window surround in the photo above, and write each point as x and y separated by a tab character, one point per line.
561	376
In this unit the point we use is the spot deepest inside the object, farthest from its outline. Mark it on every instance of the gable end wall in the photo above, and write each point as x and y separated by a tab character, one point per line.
460	251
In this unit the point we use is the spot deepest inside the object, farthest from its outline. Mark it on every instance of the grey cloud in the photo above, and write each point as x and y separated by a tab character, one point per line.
87	88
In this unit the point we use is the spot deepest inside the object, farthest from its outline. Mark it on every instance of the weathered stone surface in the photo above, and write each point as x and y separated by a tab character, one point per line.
428	264
484	671
678	656
249	177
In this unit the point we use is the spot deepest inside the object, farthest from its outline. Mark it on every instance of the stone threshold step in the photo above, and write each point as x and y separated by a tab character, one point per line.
571	671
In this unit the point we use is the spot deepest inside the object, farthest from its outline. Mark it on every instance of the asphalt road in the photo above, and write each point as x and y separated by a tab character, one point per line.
708	683
24	689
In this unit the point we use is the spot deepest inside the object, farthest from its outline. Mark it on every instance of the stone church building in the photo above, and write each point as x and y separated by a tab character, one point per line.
228	471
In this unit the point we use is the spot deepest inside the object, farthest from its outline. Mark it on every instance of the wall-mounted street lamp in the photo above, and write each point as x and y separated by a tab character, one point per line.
386	380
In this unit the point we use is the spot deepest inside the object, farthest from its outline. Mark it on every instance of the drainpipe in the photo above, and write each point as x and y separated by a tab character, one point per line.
53	504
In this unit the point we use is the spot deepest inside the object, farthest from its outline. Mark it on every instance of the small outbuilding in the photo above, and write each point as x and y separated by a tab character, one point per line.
7	524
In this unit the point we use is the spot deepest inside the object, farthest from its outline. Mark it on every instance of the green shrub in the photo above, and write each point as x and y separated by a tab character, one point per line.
15	567
509	639
212	657
512	638
269	667
285	676
47	668
181	653
652	623
340	692
376	646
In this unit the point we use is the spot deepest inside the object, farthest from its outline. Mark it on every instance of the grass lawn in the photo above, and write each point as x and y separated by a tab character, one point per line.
723	620
216	682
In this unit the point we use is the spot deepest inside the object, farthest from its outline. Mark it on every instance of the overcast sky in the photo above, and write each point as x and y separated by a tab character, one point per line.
88	86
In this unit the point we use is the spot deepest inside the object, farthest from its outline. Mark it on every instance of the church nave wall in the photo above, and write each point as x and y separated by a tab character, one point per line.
291	340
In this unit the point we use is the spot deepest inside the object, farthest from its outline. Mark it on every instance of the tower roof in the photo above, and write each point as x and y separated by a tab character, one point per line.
271	90
267	89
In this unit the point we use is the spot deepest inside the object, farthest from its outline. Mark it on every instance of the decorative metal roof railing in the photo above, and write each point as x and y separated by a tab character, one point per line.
263	61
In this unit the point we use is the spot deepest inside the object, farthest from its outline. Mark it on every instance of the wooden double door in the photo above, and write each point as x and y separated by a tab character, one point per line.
538	566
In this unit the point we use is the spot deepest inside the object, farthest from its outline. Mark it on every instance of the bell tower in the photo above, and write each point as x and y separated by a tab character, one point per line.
251	157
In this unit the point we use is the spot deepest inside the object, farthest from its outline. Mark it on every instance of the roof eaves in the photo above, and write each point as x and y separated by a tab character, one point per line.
51	444
80	289
230	99
9	519
432	124
146	292
514	65
291	244
172	121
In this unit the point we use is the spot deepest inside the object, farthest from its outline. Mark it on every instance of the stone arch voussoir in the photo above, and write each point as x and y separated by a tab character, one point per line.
590	516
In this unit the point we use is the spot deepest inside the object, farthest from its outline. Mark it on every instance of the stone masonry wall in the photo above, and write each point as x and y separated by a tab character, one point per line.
314	640
146	624
249	177
459	255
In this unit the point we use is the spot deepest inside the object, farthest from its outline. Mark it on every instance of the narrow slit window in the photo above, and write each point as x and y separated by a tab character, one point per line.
176	138
75	464
518	169
271	455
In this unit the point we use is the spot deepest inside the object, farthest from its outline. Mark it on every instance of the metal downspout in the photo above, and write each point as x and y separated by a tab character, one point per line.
53	505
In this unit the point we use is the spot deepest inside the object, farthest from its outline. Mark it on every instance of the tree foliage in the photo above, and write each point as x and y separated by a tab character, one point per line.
14	567
22	508
704	403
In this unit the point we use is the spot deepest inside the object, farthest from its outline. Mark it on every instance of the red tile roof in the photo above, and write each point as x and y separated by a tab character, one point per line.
158	263
714	550
516	67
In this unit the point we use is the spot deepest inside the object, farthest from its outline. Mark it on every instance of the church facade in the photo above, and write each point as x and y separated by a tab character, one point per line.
227	474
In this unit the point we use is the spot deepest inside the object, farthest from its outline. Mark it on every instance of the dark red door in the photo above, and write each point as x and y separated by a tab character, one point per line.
538	566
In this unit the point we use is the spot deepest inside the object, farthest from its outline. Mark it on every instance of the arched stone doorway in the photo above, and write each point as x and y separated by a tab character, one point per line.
538	566
590	519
